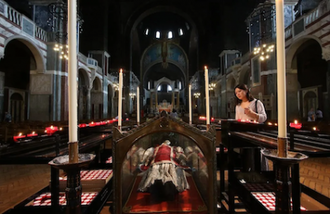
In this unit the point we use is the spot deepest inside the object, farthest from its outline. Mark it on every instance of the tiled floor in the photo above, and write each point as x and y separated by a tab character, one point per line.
17	182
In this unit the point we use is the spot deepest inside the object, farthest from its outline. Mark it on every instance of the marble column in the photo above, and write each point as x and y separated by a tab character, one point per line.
2	84
151	101
178	100
327	99
326	56
89	104
156	99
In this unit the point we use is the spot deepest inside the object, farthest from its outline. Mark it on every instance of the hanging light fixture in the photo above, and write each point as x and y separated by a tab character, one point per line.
264	51
212	86
197	95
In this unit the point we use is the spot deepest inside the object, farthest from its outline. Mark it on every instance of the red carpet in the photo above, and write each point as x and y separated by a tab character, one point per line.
187	202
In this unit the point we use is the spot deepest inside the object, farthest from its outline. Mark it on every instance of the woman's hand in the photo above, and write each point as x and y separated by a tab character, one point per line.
251	113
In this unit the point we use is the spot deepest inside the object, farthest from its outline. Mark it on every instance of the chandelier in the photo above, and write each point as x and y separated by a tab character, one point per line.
264	51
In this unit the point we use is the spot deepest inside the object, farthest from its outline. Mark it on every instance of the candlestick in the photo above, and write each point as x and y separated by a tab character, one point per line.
72	73
138	105
190	109
207	97
281	82
120	94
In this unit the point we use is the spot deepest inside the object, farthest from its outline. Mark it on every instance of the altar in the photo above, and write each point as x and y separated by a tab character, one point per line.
164	106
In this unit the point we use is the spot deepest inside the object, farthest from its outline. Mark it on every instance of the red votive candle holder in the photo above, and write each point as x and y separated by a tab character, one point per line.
51	130
295	125
19	136
33	134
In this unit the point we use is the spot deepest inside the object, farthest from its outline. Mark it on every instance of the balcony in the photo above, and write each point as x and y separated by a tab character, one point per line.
23	23
300	25
92	63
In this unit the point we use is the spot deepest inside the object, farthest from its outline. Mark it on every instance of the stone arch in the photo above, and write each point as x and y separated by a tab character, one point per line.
112	101
97	85
291	51
97	99
310	101
244	76
164	80
83	77
305	62
83	94
17	107
231	102
150	58
86	73
218	89
39	58
231	83
136	18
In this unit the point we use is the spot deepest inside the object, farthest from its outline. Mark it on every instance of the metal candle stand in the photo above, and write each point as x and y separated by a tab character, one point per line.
282	176
73	190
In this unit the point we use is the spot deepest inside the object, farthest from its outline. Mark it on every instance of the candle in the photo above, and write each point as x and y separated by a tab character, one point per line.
72	73
120	94
33	134
138	105
51	130
190	109
19	136
295	125
281	82
82	125
207	96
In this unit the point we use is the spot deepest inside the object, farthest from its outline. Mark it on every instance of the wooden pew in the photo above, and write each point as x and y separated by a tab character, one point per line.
235	136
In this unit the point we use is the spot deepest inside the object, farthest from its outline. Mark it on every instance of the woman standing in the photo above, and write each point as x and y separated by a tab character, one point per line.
247	107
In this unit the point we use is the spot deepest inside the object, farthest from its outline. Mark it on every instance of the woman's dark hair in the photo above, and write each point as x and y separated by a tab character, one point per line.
245	88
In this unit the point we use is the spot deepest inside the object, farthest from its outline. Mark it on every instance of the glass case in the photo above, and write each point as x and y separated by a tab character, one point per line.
161	168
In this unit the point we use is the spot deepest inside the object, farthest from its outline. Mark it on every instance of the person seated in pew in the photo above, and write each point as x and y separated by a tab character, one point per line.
7	117
164	173
319	115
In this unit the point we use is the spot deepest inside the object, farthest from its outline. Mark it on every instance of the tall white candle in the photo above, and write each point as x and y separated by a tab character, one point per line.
138	105
207	96
72	75
120	100
281	81
190	109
